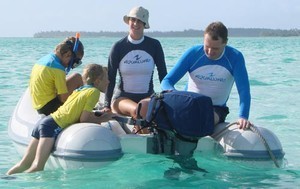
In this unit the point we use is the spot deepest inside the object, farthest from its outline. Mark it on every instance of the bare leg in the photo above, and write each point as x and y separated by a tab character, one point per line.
128	107
125	107
73	82
42	154
27	159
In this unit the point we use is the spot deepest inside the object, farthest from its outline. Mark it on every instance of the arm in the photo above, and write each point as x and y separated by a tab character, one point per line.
90	117
113	65
63	97
243	87
61	86
177	72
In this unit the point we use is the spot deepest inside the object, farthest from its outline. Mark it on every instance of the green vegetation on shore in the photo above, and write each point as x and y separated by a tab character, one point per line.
233	32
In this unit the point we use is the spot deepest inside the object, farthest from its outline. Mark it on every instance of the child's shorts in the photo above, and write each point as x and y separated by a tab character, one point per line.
46	127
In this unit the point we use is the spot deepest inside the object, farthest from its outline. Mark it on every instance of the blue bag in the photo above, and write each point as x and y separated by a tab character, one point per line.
187	114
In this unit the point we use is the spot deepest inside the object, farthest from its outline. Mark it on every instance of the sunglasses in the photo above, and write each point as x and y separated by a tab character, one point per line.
75	61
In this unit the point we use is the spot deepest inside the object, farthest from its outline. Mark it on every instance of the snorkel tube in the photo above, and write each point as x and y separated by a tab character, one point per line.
75	49
76	42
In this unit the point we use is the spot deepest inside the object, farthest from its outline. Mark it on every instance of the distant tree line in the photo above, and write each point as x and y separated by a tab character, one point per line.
233	32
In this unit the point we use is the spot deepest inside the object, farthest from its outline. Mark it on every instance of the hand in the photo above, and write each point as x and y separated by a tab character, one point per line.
107	116
105	109
244	123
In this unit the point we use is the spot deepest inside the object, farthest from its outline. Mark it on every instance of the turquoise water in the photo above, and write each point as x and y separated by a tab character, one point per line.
273	65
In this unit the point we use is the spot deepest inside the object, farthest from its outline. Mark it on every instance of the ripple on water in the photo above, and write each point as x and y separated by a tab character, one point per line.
273	117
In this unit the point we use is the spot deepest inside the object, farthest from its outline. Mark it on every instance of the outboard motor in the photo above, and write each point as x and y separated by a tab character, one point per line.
178	119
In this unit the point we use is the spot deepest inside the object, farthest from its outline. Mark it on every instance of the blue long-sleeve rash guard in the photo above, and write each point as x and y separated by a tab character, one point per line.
213	78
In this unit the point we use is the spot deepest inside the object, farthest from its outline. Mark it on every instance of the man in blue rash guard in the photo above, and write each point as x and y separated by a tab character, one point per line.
212	69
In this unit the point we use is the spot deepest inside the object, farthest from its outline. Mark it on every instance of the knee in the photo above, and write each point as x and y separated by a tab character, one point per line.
74	81
134	113
77	78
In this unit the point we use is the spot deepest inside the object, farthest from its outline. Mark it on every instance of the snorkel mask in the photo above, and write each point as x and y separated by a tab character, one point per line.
74	62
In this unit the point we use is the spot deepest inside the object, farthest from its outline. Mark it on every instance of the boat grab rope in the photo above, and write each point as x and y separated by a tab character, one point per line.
215	135
256	131
224	129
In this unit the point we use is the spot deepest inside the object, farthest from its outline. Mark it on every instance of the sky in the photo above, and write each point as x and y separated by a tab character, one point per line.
24	18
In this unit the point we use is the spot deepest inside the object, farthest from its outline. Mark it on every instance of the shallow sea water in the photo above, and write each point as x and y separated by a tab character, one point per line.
273	66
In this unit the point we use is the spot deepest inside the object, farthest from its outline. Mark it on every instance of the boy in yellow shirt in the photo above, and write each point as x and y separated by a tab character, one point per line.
78	108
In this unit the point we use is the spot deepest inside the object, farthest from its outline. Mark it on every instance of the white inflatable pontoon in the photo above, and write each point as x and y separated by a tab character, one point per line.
87	145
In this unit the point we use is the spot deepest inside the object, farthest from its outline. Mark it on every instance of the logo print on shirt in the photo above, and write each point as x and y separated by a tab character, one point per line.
211	77
137	57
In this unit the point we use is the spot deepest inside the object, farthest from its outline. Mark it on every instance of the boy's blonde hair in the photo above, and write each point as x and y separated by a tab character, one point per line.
91	72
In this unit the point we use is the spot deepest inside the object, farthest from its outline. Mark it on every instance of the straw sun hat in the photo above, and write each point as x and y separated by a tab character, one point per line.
140	13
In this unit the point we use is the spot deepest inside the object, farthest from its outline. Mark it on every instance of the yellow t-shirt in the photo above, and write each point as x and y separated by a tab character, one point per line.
47	81
81	99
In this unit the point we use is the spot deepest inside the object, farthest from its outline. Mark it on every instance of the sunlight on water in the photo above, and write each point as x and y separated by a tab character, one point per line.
273	65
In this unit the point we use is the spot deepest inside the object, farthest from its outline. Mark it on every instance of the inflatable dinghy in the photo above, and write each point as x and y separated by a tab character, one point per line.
89	145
